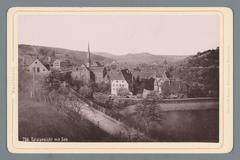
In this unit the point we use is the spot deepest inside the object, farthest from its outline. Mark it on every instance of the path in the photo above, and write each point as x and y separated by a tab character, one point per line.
107	123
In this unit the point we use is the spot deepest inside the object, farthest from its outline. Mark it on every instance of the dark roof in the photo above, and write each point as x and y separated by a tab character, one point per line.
144	74
127	75
114	75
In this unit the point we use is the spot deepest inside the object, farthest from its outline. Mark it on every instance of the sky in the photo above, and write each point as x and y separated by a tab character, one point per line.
122	34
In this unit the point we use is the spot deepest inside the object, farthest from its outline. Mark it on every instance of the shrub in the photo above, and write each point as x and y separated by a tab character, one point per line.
122	92
86	92
103	88
54	80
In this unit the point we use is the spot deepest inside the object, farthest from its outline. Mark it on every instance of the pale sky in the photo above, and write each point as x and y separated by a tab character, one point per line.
122	34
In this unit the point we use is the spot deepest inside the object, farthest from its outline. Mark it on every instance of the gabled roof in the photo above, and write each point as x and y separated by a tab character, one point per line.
115	75
45	65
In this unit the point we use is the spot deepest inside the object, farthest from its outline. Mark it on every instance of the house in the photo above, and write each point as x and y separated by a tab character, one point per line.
56	64
159	80
151	80
66	65
81	73
117	82
97	68
37	67
143	79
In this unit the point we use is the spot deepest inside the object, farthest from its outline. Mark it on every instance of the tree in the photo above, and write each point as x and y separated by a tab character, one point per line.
104	71
169	72
148	115
53	81
68	78
165	62
86	91
24	81
122	92
195	90
103	87
153	97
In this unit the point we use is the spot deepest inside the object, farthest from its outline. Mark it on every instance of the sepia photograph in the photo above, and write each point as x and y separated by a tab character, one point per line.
118	78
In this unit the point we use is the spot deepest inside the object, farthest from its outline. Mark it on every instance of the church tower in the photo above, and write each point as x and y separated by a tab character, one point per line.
88	57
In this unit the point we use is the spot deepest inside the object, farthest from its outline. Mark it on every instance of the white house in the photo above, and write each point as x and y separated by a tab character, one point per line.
117	81
37	67
57	64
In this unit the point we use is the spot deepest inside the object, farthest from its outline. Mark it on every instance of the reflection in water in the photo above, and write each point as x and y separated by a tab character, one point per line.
190	126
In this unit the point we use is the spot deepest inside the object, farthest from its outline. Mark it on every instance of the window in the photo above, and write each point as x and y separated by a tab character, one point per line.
36	62
34	70
117	81
38	70
43	69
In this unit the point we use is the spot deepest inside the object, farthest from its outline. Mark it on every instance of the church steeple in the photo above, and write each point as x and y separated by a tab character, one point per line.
88	57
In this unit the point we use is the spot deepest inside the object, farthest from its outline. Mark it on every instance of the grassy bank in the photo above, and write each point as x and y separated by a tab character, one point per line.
39	120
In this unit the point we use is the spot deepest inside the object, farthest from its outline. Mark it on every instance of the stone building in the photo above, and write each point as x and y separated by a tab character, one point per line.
81	73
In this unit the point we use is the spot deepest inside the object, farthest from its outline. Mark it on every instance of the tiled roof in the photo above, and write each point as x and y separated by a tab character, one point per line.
114	75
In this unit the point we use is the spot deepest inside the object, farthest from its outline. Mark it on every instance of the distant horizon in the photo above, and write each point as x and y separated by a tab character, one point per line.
118	54
122	34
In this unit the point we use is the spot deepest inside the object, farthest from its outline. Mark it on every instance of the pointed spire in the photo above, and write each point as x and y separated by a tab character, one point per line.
89	57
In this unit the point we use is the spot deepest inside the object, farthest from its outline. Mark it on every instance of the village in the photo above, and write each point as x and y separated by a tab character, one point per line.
117	81
126	102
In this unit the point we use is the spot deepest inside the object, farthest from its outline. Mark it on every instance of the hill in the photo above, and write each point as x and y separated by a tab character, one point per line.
200	72
144	57
76	57
208	58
